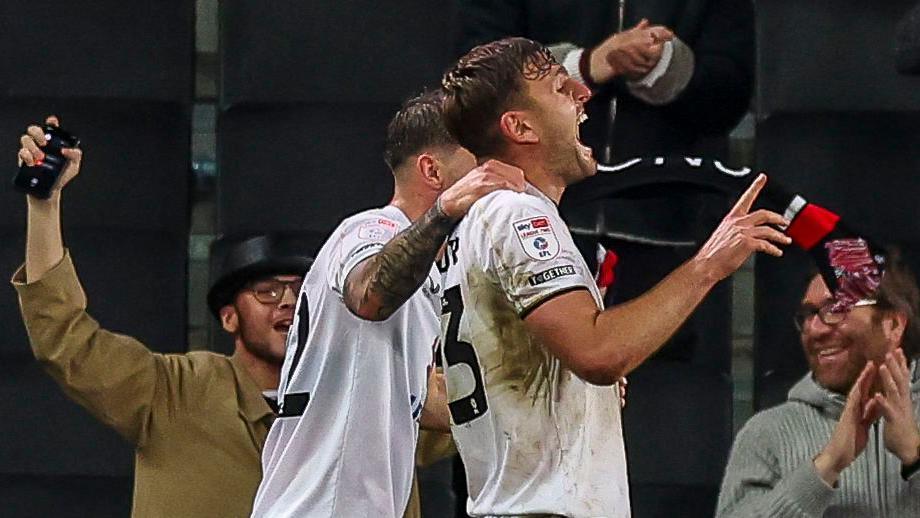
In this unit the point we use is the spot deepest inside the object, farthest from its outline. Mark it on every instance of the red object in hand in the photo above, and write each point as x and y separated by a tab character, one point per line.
812	225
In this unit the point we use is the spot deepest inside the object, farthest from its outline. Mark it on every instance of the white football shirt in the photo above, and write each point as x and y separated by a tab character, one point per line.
351	390
535	438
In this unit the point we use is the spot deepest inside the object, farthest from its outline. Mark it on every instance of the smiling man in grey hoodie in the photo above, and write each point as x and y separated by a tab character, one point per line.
847	442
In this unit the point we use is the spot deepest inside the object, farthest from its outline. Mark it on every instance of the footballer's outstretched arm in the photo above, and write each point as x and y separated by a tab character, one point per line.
379	285
601	346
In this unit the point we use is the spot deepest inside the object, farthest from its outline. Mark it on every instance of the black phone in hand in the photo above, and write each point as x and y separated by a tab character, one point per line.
39	179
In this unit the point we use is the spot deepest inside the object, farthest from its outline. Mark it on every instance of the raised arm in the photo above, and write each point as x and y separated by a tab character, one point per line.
379	285
44	244
602	346
756	485
376	287
112	375
719	91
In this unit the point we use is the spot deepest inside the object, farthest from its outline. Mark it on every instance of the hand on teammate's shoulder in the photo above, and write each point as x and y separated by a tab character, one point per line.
491	176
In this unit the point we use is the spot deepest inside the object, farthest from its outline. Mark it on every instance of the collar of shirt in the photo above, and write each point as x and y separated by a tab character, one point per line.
253	406
532	189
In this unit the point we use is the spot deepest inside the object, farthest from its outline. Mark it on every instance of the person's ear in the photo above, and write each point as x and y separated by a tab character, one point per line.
516	127
229	319
894	324
429	168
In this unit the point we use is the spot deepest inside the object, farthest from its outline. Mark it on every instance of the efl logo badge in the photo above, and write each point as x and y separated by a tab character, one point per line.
537	237
380	230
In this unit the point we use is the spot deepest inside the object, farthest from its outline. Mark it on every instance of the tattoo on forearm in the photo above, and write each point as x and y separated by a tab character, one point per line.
400	268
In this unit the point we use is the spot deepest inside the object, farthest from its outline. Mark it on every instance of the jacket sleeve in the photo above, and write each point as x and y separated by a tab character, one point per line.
719	91
111	375
482	21
754	486
914	479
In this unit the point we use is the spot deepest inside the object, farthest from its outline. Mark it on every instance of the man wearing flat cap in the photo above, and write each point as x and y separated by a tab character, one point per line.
199	420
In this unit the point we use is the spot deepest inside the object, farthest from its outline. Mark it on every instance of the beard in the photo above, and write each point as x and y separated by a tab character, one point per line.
838	378
837	353
568	161
259	344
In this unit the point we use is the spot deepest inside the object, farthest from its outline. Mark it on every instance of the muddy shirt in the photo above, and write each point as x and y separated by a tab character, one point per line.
535	438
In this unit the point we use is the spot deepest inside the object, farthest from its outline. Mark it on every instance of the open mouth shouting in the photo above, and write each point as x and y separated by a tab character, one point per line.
586	152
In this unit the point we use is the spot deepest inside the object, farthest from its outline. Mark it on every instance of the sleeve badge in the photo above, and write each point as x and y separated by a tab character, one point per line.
537	237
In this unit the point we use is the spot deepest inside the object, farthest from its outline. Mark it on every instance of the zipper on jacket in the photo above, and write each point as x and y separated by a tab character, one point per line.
879	451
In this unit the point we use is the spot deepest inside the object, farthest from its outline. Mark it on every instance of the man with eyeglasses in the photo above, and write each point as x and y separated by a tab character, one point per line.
198	421
258	278
847	442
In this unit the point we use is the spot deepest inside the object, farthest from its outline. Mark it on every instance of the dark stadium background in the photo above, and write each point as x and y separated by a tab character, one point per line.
200	119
